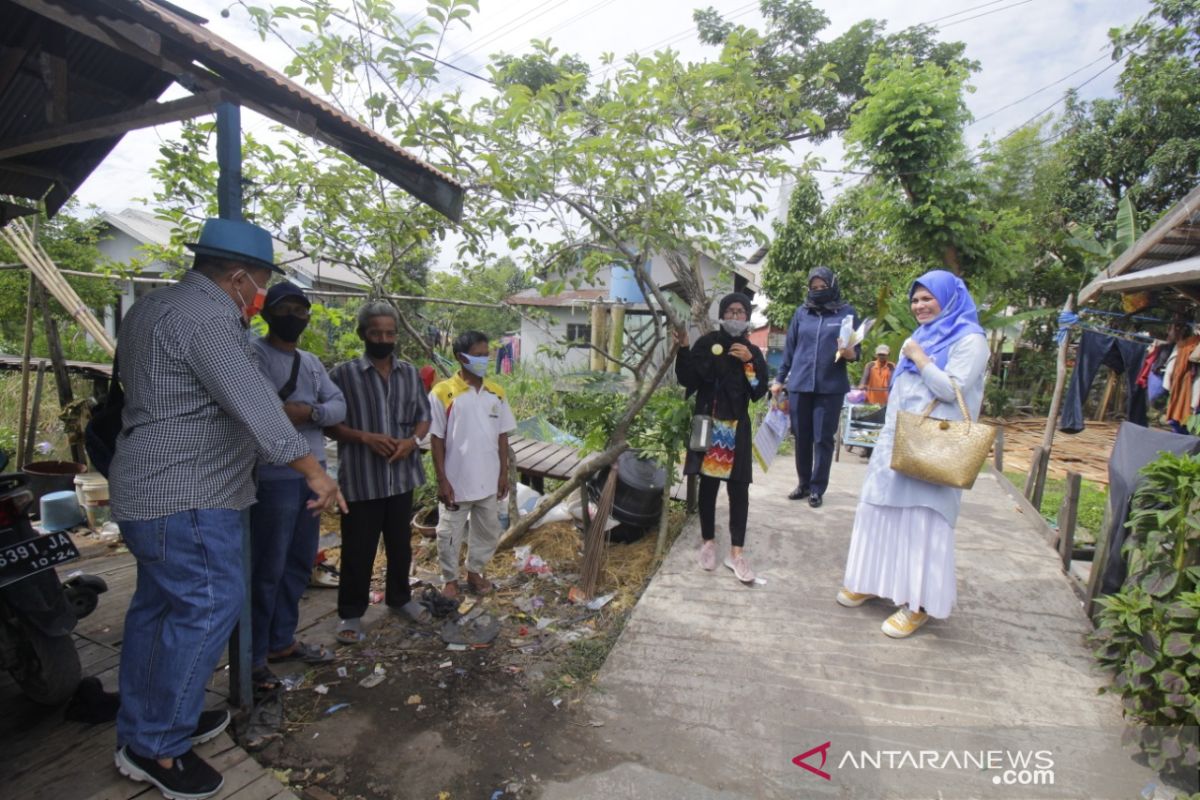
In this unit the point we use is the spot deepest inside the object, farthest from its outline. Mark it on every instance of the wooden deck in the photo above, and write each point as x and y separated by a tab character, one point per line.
48	757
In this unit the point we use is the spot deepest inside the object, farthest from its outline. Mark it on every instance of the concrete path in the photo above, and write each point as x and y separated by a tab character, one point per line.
714	688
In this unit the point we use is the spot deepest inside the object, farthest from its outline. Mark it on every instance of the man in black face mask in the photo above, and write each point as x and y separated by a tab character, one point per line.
283	536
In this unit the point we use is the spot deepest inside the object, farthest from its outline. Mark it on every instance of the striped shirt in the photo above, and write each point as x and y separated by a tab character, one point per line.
197	408
392	408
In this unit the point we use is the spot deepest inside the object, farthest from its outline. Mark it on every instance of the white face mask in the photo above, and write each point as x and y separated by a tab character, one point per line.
735	327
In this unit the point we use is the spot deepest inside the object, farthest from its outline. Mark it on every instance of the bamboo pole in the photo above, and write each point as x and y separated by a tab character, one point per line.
616	338
1109	386
21	238
25	356
31	434
1060	382
599	331
62	378
664	521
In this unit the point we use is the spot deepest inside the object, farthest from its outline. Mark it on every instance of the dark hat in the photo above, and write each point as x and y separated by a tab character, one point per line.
285	289
238	241
730	299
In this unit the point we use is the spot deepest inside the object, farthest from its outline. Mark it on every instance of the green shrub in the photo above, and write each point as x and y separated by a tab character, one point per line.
1147	632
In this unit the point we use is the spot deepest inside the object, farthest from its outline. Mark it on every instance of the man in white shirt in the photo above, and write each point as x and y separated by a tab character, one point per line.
469	441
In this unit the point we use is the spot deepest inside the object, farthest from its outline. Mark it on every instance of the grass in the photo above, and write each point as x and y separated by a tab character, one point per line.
1092	497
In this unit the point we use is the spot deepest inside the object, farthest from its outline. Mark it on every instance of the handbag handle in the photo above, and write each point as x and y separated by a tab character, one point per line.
962	405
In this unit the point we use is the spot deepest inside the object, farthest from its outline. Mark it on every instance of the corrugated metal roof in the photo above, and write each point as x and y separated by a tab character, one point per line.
120	54
1177	273
1175	237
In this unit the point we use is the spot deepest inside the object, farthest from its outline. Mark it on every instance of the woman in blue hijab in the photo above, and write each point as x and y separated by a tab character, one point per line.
902	547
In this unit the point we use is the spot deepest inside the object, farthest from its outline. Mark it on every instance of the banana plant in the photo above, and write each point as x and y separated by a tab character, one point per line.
1098	252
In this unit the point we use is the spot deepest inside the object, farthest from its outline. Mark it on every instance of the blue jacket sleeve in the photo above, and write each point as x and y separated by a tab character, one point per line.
789	348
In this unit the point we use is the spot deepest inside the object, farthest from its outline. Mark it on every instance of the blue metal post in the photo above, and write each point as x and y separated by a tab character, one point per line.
229	205
229	161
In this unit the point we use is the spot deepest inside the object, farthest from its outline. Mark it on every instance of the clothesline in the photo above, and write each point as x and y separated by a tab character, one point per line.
1135	317
1068	320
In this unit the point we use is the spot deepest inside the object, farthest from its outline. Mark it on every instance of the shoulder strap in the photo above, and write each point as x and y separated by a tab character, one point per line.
286	390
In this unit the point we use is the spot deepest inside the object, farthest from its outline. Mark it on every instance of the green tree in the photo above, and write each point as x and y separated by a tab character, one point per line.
825	76
1145	142
481	284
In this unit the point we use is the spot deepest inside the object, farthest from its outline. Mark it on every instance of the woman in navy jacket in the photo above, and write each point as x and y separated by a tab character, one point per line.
816	384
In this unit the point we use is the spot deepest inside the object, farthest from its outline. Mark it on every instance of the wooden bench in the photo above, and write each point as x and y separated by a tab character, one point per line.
536	461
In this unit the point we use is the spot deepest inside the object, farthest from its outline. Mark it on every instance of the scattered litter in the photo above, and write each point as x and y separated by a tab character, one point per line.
529	604
413	700
496	795
760	581
446	665
436	603
336	708
376	598
482	629
530	563
556	702
567	680
571	636
443	796
458	648
576	595
292	682
321	688
466	605
602	601
342	673
375	678
523	631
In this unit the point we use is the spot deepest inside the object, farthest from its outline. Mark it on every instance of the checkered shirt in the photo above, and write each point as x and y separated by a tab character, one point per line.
197	408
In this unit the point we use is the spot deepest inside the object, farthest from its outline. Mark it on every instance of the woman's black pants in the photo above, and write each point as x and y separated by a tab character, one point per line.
739	508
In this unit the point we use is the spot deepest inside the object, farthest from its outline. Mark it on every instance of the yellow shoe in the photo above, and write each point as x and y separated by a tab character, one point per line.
904	622
850	599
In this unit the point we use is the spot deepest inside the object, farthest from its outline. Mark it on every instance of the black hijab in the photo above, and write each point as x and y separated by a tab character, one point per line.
730	299
827	299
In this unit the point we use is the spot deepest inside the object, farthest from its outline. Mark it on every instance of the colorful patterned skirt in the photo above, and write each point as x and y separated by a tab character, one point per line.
718	459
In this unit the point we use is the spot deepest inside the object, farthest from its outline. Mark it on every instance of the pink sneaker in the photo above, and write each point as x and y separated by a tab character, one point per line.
708	555
741	569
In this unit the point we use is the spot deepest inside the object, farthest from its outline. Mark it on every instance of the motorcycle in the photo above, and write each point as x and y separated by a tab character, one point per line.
37	610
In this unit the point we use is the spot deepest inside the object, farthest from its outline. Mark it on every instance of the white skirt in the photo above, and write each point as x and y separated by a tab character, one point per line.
905	555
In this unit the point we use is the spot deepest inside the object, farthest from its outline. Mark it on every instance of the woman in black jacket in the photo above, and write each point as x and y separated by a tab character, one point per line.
726	373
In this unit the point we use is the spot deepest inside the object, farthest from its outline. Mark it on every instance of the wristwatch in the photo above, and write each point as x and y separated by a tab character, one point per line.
315	414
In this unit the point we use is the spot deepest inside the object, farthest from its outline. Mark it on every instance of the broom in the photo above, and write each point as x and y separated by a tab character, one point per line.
593	544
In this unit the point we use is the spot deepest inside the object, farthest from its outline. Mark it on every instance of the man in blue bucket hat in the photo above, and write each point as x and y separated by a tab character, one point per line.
197	410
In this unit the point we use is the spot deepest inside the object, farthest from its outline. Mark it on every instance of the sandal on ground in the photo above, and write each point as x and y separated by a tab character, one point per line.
304	653
413	612
264	680
348	631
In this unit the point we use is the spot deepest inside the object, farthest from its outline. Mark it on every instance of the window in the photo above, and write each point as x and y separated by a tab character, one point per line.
579	335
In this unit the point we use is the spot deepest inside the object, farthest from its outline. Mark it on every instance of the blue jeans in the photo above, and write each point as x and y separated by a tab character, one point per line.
283	546
188	598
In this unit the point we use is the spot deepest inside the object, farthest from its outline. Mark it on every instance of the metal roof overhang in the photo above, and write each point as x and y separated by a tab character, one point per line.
76	76
1179	273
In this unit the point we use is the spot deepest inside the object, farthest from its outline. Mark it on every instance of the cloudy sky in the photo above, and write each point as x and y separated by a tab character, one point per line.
1022	45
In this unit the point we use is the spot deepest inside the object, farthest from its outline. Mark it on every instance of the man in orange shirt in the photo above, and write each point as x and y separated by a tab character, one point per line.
877	376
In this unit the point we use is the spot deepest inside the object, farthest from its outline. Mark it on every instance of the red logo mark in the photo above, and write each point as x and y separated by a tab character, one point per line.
823	749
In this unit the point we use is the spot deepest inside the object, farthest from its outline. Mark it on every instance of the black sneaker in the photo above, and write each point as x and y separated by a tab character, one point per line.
815	500
189	778
210	726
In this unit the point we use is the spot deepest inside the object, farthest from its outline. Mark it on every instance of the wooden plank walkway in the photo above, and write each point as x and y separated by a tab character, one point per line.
47	757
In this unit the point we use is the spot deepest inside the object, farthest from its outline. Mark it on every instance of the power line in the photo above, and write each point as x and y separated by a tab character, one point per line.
964	11
1038	91
984	14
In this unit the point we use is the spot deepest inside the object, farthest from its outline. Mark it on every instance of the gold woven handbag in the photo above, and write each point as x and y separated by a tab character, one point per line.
941	451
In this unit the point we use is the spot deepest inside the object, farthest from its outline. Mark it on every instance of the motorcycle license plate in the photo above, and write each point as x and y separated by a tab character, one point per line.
23	559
